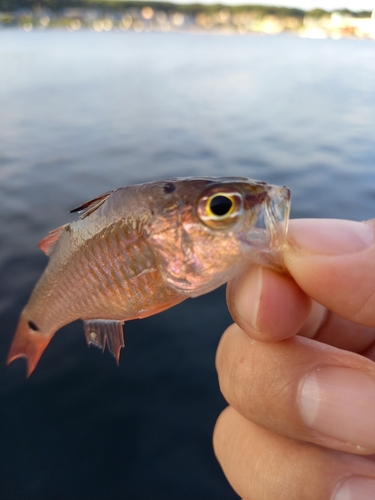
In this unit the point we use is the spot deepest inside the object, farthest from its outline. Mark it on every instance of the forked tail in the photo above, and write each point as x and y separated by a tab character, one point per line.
28	342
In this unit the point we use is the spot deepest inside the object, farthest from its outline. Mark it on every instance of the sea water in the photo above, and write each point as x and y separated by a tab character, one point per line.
82	113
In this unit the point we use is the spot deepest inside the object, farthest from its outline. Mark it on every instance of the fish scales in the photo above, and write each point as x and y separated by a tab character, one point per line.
138	250
114	279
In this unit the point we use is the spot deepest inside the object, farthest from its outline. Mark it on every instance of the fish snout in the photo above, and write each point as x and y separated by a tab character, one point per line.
264	242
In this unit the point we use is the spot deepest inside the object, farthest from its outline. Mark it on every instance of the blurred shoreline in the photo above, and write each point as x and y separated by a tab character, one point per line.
102	16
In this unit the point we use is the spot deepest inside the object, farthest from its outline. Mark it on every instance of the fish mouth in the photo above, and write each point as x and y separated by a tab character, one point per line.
265	241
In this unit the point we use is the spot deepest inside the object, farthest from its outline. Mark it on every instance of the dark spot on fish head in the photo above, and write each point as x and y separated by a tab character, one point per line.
251	200
33	326
169	187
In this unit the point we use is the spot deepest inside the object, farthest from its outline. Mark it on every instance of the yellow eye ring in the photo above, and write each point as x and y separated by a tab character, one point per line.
220	209
220	205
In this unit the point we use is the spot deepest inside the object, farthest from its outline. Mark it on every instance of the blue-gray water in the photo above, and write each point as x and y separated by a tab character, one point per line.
83	113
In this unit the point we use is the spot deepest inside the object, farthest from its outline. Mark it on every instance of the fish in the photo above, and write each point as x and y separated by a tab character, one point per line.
139	250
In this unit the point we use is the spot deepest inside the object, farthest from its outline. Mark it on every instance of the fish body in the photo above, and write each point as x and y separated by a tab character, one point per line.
139	250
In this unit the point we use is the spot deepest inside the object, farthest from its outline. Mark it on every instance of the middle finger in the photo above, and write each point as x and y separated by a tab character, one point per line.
300	388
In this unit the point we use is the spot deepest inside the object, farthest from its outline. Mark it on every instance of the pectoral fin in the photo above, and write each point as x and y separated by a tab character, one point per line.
100	332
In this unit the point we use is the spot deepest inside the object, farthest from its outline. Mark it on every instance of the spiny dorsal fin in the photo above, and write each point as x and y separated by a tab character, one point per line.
100	332
90	206
47	243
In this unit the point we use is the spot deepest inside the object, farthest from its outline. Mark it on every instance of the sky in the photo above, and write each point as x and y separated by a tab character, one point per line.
356	5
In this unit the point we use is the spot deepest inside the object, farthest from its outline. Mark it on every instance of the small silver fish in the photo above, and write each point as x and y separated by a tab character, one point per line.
139	250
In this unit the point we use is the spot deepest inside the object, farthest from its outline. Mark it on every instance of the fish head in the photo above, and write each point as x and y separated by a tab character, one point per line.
204	231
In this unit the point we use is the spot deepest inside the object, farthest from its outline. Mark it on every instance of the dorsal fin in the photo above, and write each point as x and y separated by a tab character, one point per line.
47	243
100	332
90	206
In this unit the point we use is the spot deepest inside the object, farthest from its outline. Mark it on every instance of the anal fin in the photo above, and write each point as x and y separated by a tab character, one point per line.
102	332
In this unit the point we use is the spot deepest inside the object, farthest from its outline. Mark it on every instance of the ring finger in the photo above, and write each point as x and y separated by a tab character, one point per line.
263	465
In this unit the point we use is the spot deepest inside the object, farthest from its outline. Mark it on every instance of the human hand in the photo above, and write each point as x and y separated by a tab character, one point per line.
297	370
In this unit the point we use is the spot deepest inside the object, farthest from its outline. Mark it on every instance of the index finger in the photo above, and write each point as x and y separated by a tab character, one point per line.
271	307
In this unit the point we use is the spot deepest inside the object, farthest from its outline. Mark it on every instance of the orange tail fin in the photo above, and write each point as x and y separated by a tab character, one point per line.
29	343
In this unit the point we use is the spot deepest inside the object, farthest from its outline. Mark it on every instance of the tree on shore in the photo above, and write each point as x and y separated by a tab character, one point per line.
259	11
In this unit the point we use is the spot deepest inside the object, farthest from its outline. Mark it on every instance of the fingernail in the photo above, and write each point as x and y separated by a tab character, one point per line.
248	293
340	402
356	488
330	236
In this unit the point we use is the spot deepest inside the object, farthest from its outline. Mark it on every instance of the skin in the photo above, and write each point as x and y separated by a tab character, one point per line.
293	335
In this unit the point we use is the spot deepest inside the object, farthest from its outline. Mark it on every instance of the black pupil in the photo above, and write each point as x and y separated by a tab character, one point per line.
220	205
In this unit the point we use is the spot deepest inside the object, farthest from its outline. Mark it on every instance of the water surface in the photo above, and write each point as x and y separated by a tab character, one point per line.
82	113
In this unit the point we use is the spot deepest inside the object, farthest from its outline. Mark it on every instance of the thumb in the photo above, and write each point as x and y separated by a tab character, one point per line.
333	261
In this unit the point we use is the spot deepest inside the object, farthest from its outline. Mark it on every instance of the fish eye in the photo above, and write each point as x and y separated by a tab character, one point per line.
220	209
220	205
